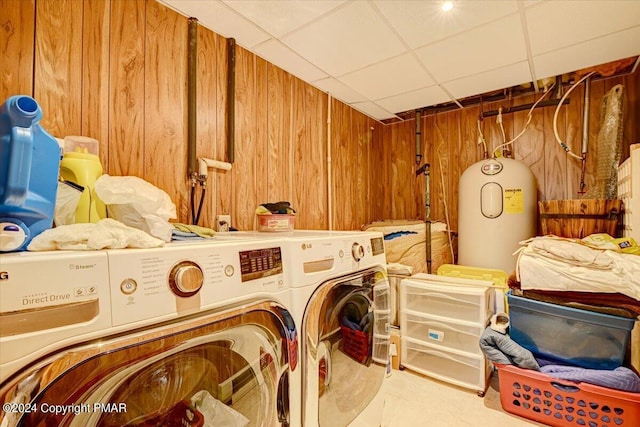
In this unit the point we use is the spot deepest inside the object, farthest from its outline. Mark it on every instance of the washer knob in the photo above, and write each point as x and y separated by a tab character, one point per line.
186	278
357	250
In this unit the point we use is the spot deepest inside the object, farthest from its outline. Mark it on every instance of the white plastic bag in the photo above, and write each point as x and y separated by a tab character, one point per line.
67	199
137	203
217	413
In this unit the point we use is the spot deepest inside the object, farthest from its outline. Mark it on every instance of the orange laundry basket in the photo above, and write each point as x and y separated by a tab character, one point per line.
560	403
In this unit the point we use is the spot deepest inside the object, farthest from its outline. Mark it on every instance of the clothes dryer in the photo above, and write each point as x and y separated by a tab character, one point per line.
340	303
187	333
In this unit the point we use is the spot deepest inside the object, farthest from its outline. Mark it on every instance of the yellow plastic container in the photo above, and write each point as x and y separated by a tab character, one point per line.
83	168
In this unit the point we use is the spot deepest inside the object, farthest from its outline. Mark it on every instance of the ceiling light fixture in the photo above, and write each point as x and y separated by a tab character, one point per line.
447	6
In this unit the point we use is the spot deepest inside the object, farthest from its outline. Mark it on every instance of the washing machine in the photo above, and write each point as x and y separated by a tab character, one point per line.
190	334
340	303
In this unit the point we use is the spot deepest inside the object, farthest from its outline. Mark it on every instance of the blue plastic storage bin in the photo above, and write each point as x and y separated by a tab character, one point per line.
578	337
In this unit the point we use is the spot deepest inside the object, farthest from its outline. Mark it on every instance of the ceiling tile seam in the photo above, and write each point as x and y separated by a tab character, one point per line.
313	21
486	24
586	40
527	43
242	18
485	71
292	51
407	47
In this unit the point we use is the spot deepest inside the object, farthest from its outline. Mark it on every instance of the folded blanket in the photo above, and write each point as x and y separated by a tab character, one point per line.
558	264
620	378
499	348
104	234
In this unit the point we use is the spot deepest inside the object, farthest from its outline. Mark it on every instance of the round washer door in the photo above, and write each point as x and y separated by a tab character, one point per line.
228	368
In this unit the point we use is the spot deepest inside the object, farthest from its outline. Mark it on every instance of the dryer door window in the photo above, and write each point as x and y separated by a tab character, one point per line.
346	326
226	368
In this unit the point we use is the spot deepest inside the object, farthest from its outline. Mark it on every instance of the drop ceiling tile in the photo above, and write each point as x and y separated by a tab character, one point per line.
347	39
558	24
219	18
339	90
623	44
500	78
390	77
417	99
484	48
280	55
373	110
423	22
270	15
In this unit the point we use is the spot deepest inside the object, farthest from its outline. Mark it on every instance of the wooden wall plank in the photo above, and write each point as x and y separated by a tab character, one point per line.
279	180
244	171
361	135
454	172
342	187
555	162
58	65
225	188
310	157
17	42
206	121
573	126
126	88
95	75
165	144
597	94
262	171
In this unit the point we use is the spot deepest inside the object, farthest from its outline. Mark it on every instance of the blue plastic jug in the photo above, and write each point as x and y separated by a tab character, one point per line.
29	163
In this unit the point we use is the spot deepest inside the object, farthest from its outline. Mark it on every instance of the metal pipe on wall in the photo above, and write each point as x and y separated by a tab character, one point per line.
585	115
418	137
329	181
192	56
231	99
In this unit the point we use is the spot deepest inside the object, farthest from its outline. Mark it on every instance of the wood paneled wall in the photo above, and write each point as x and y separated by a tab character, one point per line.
115	70
450	145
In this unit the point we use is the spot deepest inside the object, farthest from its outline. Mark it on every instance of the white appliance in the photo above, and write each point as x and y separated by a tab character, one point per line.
334	275
132	336
497	210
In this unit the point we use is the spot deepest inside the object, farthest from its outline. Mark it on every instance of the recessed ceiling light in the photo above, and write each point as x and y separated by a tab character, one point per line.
447	6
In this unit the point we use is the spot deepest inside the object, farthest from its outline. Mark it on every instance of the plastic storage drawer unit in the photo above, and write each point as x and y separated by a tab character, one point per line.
578	337
459	299
455	367
560	403
449	334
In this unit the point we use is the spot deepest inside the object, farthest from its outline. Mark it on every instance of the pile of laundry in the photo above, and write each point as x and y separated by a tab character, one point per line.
500	348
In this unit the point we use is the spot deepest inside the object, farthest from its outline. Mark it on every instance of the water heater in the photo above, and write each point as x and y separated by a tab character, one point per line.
497	210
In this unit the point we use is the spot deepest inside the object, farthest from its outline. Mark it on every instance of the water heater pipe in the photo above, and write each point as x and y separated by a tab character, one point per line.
427	212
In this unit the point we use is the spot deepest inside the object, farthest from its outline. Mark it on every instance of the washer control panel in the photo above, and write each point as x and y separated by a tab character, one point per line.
160	282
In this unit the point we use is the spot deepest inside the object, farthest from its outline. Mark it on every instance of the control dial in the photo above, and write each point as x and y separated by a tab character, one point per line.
357	250
186	278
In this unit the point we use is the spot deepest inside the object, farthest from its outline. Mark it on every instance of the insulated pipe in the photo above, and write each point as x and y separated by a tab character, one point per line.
418	137
192	56
231	99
